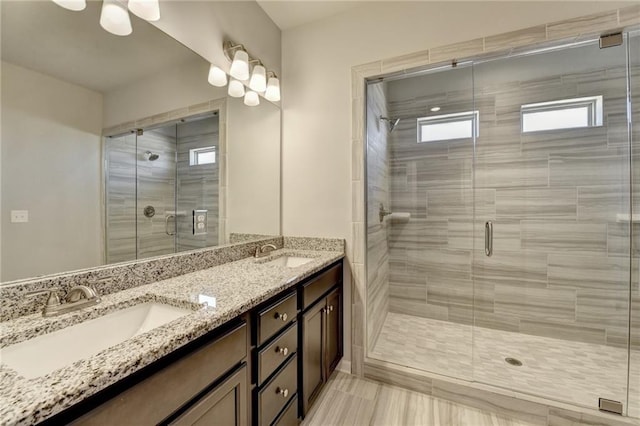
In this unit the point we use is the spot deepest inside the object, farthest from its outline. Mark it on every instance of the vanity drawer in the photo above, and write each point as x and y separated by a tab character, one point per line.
315	288
276	317
278	392
273	355
289	416
153	399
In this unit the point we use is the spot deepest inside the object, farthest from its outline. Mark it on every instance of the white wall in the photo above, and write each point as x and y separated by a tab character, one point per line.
316	79
51	151
204	25
178	87
253	146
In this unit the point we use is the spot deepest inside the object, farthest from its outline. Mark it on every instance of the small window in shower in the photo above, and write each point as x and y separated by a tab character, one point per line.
562	114
200	156
461	125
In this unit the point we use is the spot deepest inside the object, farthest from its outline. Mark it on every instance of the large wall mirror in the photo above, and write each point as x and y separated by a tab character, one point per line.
117	148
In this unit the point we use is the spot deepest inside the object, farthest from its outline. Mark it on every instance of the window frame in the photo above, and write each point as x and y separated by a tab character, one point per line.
473	116
594	104
194	154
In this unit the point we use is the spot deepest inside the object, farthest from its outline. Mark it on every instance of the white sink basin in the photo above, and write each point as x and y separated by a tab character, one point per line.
49	352
289	261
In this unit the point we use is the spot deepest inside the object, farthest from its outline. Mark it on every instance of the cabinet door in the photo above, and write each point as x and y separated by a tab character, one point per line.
313	352
225	405
333	331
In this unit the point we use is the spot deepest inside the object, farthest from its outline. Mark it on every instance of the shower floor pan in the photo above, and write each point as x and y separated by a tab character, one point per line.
573	372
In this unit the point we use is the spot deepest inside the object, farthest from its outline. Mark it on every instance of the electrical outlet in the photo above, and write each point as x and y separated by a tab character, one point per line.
19	216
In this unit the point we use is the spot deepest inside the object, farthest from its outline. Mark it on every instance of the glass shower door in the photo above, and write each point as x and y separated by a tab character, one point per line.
156	192
551	254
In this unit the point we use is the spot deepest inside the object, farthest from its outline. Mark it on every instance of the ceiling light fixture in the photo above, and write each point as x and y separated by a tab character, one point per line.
273	88
251	98
236	89
75	5
145	9
217	77
114	18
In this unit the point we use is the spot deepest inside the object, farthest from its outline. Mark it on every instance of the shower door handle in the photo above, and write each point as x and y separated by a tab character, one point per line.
166	224
488	238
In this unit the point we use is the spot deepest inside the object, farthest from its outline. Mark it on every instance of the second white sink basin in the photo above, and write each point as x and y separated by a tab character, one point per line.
289	261
49	352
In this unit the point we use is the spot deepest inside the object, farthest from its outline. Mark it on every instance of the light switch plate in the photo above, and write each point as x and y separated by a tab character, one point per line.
19	216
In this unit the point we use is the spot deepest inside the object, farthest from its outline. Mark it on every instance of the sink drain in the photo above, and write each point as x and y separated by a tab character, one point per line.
513	361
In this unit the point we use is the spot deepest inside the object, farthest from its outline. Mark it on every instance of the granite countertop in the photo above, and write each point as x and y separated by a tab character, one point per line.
237	287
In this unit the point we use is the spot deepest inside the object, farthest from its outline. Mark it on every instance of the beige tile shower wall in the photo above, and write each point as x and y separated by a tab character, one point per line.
197	185
156	187
560	266
377	194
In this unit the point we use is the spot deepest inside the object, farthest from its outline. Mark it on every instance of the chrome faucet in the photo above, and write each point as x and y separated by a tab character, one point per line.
262	251
77	298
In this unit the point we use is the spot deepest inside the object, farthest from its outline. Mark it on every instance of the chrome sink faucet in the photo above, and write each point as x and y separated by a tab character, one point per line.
77	298
262	251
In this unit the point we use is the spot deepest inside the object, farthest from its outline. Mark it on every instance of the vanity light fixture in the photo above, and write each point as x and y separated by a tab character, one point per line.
236	88
258	82
146	9
217	77
251	98
114	18
75	5
240	65
273	88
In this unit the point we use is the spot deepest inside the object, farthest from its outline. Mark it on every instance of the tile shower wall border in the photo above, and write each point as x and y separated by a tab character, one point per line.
116	277
575	29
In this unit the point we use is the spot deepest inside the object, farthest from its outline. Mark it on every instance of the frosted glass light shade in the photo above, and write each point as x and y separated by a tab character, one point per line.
273	90
240	65
115	18
236	89
75	5
258	79
217	77
145	9
251	98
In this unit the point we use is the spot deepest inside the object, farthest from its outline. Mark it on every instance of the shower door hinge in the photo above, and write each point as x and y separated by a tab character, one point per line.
610	406
139	132
610	40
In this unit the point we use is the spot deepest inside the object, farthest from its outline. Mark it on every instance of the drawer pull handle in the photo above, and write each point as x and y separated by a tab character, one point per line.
282	351
330	308
282	317
283	392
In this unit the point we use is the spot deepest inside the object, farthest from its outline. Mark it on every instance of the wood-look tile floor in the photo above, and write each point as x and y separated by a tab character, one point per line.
350	401
572	372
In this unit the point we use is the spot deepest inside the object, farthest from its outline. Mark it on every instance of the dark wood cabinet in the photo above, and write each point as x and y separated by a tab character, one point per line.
333	330
265	367
313	350
321	345
225	405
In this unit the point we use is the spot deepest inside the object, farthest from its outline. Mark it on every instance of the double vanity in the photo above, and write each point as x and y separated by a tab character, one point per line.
248	341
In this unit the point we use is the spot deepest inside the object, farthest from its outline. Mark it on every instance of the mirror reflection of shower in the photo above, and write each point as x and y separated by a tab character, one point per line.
392	122
150	156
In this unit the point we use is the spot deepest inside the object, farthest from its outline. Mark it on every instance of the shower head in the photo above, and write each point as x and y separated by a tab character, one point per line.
392	122
150	156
